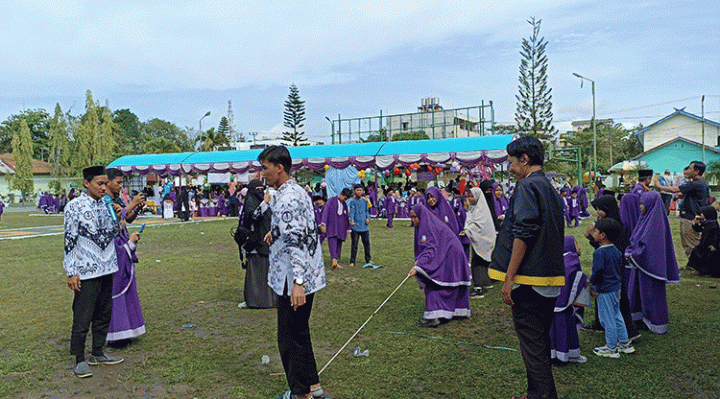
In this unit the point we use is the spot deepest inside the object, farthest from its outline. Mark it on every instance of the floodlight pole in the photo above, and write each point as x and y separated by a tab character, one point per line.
592	121
200	121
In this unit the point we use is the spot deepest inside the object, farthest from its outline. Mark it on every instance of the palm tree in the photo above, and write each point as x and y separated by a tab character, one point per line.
212	140
160	145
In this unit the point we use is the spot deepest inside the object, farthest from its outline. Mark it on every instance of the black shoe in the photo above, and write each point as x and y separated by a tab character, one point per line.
592	327
430	323
477	294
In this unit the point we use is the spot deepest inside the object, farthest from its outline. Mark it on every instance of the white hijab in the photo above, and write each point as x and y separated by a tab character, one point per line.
479	226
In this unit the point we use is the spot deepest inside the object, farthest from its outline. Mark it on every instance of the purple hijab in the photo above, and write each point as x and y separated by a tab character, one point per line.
337	225
574	276
651	245
502	203
439	255
630	212
442	209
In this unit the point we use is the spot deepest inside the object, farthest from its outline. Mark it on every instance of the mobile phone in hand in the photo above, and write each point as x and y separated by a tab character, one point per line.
142	227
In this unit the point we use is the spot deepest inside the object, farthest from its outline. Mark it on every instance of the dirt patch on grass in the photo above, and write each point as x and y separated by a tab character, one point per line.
688	384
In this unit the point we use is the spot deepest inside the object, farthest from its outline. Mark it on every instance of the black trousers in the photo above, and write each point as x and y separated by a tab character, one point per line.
479	270
91	305
365	236
533	316
295	346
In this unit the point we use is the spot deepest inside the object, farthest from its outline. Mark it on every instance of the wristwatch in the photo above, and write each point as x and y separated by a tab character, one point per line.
299	281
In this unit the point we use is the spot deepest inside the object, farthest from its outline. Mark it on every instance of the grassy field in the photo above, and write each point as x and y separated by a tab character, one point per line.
200	345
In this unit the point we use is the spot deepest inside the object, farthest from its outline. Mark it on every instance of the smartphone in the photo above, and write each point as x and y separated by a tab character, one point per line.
142	227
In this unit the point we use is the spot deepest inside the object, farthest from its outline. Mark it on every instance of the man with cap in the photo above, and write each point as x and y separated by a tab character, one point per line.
643	184
90	261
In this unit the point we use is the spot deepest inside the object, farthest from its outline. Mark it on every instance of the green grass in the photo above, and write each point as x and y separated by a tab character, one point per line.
199	281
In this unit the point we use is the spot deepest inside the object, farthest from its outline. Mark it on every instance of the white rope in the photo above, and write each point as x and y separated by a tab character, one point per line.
361	327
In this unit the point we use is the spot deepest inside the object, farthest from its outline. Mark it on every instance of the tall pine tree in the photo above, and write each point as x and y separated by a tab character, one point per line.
22	146
534	101
224	128
294	116
58	143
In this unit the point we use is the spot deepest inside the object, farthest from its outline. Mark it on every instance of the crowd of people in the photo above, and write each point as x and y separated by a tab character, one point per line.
466	235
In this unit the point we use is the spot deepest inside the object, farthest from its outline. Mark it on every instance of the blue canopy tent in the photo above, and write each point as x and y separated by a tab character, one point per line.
467	151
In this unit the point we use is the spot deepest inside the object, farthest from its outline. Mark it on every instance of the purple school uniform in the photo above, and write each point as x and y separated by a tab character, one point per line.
442	267
653	263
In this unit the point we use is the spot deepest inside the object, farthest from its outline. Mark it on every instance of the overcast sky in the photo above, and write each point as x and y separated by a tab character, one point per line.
176	60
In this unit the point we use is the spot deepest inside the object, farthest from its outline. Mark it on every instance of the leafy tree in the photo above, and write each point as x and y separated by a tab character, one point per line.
156	128
534	106
38	122
58	143
506	129
381	135
160	145
294	116
22	153
127	132
614	144
212	140
405	136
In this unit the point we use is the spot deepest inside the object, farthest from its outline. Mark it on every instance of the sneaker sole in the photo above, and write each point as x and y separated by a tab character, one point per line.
627	351
109	363
84	375
610	355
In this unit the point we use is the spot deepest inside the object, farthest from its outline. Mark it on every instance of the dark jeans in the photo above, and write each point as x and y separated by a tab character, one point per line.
533	316
295	345
92	304
667	199
365	235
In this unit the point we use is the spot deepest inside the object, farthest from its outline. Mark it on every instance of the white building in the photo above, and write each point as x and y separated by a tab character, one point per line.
435	122
679	124
265	142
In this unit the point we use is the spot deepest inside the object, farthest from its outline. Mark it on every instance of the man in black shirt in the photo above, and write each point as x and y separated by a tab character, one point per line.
528	259
695	193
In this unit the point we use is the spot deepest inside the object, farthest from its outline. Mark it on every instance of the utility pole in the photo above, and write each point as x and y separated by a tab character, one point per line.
702	121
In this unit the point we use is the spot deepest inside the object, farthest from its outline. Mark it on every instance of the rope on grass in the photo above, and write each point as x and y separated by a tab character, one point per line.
361	327
456	342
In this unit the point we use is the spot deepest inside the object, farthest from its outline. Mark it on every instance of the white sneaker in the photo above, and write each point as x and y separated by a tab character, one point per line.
242	305
626	347
579	359
605	351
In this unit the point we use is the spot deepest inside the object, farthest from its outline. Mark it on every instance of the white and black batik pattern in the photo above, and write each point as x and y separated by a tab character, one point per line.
295	251
89	238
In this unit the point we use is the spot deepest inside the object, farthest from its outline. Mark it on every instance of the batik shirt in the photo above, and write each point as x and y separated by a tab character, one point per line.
89	238
295	252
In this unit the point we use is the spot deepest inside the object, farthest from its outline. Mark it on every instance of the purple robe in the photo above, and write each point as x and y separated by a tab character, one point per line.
573	210
629	212
653	262
222	208
335	219
390	207
318	220
638	189
442	267
567	320
501	204
127	319
442	210
372	195
584	202
402	210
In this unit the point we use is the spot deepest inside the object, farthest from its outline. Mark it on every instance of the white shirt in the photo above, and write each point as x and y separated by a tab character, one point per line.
295	252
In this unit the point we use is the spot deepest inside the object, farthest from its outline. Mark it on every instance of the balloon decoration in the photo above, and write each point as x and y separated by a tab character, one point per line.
452	169
430	168
368	171
415	166
327	167
438	170
386	173
408	172
396	172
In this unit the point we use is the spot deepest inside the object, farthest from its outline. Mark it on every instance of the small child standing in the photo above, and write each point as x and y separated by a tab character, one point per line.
606	280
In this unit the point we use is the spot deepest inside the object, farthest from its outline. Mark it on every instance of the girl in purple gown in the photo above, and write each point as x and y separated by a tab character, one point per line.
652	258
500	201
127	320
441	269
565	342
440	207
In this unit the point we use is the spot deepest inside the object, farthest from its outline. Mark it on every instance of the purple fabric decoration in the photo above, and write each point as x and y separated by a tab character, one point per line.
565	342
442	209
638	189
651	246
337	225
